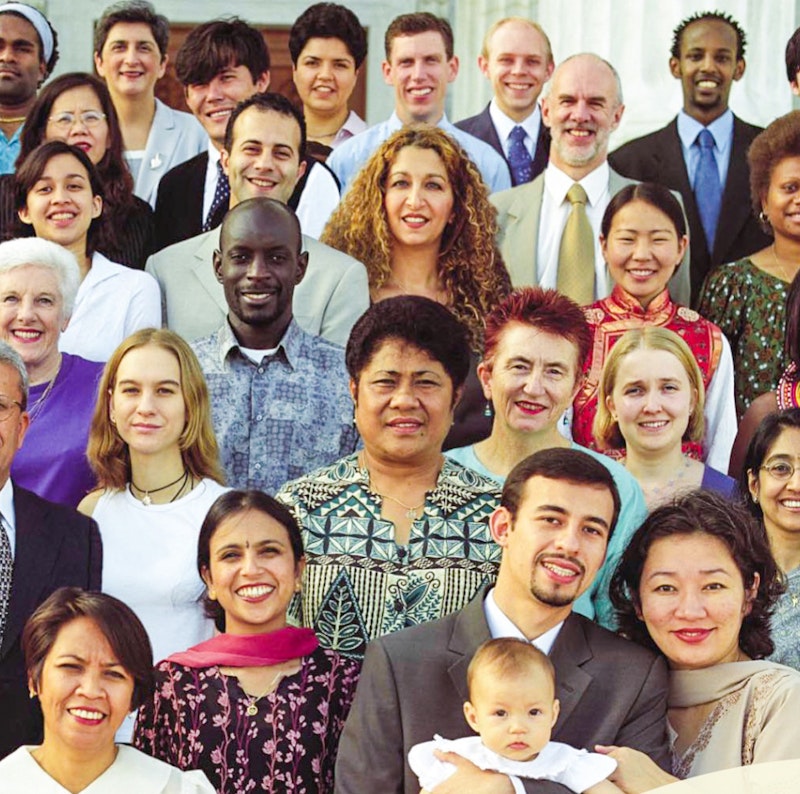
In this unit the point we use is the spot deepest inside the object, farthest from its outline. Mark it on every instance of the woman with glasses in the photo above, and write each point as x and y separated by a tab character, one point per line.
76	108
771	476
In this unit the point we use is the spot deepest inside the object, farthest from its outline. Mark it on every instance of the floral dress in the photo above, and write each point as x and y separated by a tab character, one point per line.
197	719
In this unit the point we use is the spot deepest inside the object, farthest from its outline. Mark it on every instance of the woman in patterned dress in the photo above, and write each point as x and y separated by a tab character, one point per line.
698	583
260	707
747	299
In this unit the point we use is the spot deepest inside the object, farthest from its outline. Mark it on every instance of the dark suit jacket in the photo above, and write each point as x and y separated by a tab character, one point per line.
179	204
55	546
414	683
658	157
481	126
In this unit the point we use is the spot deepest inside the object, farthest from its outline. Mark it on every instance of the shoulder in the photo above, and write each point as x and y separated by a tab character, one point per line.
330	258
89	502
744	129
475	124
456	474
176	258
526	198
610	650
175	178
157	777
645	144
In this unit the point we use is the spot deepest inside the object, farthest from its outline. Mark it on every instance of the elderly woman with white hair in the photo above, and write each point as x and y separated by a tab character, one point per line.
38	284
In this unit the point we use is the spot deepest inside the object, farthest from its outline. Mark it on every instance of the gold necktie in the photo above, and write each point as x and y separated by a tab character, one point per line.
576	254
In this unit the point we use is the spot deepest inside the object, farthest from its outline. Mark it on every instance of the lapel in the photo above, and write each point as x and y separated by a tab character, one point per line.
569	652
158	152
522	232
469	631
487	132
36	551
202	266
192	194
542	153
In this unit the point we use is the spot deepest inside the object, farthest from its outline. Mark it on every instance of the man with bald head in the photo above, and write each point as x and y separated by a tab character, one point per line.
279	396
549	228
517	60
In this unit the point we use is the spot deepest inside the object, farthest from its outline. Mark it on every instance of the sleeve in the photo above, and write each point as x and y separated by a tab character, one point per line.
774	710
193	782
144	307
587	769
721	301
720	412
427	767
347	303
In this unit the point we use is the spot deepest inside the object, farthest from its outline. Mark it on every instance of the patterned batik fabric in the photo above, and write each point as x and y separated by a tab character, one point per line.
785	623
359	583
197	719
749	306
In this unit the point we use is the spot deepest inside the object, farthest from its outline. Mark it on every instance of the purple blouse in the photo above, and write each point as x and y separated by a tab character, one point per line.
197	720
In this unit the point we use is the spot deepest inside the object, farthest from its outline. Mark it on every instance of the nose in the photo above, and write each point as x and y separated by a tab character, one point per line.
794	481
265	160
568	539
78	124
652	400
258	266
215	89
418	69
534	382
250	564
25	308
90	683
325	69
580	110
414	195
690	605
404	396
708	63
145	405
641	248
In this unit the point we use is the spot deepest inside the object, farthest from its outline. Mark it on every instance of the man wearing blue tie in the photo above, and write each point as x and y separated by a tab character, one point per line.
702	152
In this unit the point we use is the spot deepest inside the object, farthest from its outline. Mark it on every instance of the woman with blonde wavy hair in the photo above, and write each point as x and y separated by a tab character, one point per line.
650	401
418	216
152	448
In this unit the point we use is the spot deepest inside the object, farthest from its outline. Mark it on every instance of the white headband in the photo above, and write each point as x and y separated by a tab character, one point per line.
39	22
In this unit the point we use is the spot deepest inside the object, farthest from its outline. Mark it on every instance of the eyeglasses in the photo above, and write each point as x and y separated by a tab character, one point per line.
780	470
91	118
7	406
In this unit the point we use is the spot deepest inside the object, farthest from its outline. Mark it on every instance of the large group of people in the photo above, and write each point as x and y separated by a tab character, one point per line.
416	456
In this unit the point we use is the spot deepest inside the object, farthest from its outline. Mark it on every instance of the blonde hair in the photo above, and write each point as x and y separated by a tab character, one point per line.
523	21
605	429
505	657
108	454
469	265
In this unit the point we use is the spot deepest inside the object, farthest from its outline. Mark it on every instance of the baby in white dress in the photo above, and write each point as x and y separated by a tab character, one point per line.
513	707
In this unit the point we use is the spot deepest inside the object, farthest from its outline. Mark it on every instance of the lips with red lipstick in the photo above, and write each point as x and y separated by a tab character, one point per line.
692	636
86	716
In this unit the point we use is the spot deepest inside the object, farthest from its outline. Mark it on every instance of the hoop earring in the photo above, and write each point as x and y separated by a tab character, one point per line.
762	216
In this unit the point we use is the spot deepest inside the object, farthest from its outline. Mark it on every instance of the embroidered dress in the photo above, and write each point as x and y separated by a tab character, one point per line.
749	306
359	583
613	316
786	623
197	720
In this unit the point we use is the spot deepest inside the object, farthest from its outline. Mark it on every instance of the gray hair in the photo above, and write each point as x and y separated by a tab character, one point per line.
10	357
44	253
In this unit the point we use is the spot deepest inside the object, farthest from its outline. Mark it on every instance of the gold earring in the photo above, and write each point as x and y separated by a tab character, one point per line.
212	593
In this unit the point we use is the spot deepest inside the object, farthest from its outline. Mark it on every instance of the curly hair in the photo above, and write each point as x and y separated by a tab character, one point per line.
711	16
703	513
470	265
108	453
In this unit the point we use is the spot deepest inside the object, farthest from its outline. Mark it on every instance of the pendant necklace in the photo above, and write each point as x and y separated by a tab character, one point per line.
252	707
146	500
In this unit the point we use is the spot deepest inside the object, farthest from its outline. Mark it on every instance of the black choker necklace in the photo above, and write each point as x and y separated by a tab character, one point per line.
147	501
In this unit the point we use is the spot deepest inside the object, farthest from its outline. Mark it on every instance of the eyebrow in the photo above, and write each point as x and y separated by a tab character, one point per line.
78	658
705	572
415	372
260	544
564	512
134	382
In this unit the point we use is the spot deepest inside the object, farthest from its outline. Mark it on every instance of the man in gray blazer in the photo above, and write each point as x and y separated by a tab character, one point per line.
558	509
264	144
584	106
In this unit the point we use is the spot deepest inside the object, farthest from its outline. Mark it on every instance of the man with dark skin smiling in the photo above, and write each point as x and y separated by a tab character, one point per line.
279	396
557	512
707	56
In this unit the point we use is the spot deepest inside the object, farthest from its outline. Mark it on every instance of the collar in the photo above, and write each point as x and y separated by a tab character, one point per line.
213	154
595	183
504	124
7	506
721	128
290	344
660	305
393	124
501	626
101	269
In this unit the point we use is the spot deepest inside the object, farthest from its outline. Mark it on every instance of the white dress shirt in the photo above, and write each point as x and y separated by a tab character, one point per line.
503	125
212	177
501	626
7	511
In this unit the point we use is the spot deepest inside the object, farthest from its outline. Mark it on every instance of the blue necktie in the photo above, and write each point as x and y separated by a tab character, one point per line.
519	158
222	195
707	189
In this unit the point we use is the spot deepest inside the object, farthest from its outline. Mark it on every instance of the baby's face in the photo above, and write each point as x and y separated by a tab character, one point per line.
513	715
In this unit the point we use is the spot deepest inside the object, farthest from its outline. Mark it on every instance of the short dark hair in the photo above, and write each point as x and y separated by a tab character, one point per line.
702	512
414	320
703	16
559	463
771	426
124	631
267	101
793	56
234	503
212	47
656	196
328	21
51	62
418	22
32	168
132	11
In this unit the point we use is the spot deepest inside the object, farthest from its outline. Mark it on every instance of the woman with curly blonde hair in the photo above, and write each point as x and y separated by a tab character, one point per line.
152	448
418	216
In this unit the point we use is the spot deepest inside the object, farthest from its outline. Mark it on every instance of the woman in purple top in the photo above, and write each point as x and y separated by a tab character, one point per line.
38	283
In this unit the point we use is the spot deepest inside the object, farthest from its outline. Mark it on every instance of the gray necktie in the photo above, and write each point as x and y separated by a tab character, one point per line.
6	570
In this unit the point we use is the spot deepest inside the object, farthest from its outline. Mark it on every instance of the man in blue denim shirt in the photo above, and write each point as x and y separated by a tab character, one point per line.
279	396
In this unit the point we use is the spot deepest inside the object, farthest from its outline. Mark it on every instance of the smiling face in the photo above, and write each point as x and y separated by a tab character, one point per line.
325	75
84	692
518	65
707	68
403	404
60	206
556	544
419	70
15	425
212	103
419	198
780	499
31	315
532	379
265	156
652	401
90	136
514	714
693	600
642	250
147	404
21	66
581	110
252	572
781	205
130	61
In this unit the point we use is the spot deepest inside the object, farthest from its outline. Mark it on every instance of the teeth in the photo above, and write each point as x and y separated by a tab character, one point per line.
661	423
87	714
581	133
792	504
265	183
62	216
642	273
218	114
420	91
254	591
27	334
551	566
707	83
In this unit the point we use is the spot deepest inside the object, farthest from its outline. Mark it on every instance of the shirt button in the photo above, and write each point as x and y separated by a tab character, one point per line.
259	417
261	370
258	466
